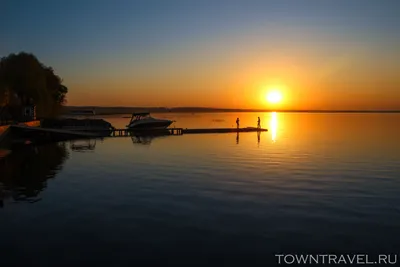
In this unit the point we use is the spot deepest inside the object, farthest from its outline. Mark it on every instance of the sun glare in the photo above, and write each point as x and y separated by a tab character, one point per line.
274	97
274	125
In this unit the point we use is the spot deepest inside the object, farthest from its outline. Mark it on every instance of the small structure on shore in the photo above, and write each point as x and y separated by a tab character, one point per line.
16	108
29	113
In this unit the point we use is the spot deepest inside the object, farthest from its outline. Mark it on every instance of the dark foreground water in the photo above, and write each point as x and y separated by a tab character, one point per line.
315	183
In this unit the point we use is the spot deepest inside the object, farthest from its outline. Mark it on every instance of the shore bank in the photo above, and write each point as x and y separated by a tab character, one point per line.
6	135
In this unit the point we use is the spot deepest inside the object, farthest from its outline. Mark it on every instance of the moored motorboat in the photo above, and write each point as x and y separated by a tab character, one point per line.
82	121
143	121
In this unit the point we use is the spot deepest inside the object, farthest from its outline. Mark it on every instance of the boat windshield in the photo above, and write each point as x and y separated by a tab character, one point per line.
140	116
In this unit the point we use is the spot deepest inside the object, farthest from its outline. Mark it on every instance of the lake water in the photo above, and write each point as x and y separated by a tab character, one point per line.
314	183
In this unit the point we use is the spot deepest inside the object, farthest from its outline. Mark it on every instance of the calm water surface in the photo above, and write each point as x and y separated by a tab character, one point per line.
315	183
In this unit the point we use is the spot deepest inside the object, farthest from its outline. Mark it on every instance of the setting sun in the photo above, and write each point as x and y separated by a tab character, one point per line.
274	97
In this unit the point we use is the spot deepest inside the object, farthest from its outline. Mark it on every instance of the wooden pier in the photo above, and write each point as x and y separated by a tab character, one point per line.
19	136
223	130
180	131
28	129
146	132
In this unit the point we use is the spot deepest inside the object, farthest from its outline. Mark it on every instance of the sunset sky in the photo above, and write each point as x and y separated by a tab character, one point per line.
317	54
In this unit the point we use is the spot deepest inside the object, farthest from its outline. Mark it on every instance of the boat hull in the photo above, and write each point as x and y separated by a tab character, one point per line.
150	125
97	126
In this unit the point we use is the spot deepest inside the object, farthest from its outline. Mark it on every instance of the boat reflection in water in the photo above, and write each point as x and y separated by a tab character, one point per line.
148	137
85	145
24	173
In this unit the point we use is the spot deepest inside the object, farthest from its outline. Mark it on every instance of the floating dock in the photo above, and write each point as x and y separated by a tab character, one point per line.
145	132
38	131
181	131
223	130
20	135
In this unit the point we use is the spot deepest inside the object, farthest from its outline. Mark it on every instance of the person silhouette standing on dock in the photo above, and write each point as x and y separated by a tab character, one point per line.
259	123
237	123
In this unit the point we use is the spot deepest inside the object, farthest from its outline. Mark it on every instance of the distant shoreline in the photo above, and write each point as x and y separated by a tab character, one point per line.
129	110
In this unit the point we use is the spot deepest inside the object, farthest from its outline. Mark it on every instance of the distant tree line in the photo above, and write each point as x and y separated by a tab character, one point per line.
24	80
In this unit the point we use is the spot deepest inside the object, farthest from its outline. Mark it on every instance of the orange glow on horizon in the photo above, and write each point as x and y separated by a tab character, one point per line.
310	100
285	85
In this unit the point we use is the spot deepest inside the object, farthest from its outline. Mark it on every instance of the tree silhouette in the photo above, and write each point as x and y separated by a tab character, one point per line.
56	90
27	80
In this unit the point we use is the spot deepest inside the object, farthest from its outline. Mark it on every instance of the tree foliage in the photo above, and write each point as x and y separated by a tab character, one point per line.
26	79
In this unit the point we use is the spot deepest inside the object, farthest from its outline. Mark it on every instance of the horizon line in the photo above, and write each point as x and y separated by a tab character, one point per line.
189	108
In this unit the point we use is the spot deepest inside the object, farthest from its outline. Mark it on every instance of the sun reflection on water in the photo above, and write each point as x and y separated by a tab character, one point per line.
274	125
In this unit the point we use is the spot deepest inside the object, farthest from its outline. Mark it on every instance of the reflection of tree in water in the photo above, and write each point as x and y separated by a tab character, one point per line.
24	174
